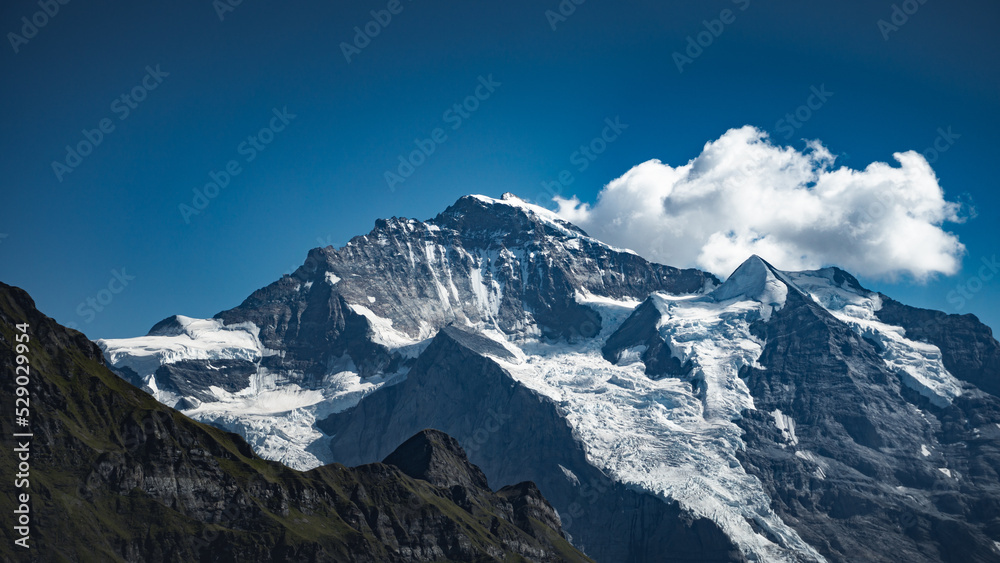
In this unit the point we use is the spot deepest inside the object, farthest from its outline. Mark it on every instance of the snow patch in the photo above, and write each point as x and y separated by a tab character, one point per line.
819	472
632	355
786	425
332	278
277	415
381	329
571	476
584	297
715	337
924	451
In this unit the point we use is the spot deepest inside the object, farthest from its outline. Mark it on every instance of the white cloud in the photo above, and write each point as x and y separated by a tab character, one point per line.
744	195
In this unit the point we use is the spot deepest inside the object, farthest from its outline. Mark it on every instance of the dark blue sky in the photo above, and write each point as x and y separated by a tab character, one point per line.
320	180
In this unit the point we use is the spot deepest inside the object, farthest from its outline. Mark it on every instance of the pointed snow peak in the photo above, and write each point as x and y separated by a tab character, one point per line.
757	280
747	280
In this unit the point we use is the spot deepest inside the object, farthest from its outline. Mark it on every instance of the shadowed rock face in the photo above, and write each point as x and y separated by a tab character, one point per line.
515	436
310	328
857	484
193	378
640	330
116	476
437	458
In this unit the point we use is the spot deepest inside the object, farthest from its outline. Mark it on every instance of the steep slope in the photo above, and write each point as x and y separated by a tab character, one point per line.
865	443
516	434
116	476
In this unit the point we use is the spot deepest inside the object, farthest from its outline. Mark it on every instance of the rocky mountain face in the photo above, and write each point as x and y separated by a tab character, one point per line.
456	386
485	263
353	318
779	416
848	445
857	459
117	476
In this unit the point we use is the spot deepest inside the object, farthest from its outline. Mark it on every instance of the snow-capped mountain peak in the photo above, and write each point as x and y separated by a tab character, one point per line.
751	418
512	200
757	280
514	221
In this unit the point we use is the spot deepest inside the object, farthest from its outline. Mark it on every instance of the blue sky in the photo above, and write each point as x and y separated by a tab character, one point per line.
112	227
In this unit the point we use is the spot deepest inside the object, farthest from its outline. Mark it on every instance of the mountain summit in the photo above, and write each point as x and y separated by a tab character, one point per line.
779	416
755	279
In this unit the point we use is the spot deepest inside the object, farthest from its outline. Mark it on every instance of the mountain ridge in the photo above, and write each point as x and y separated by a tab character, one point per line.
651	383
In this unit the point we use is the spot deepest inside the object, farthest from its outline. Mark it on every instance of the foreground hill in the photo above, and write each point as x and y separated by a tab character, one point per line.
117	476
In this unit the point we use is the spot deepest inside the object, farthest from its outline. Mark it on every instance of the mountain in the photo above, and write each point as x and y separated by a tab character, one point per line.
116	476
352	319
864	441
778	416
